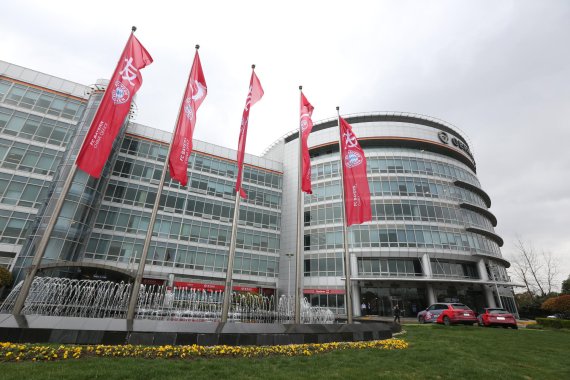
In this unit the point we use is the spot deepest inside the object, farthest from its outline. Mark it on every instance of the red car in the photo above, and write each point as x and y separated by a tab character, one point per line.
497	317
448	313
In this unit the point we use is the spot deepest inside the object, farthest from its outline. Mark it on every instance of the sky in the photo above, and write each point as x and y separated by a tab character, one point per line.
498	70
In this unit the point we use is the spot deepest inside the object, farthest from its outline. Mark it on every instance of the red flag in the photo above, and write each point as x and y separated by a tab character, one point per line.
255	93
306	127
196	91
356	190
114	108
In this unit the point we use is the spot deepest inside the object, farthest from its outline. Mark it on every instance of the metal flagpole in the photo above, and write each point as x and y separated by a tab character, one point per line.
142	263
299	258
38	256
231	255
25	289
347	287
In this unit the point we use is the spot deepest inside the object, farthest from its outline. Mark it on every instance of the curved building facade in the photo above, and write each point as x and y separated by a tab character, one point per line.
431	238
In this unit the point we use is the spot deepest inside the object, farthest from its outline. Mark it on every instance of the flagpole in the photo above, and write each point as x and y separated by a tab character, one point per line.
347	287
38	256
25	289
231	253
299	260
144	254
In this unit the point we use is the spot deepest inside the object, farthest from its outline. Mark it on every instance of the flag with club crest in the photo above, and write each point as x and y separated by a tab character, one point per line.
114	108
306	126
194	95
253	96
356	190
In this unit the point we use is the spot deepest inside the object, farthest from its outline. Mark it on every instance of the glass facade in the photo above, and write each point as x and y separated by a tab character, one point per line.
431	232
36	125
192	231
431	237
103	222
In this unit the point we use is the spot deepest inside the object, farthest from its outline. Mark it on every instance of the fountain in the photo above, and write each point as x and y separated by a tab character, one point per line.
64	297
93	311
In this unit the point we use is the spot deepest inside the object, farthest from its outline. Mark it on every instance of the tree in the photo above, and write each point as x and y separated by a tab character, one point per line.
537	271
566	286
5	277
559	304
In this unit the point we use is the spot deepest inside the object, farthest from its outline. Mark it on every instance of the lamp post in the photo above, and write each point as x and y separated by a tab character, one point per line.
289	255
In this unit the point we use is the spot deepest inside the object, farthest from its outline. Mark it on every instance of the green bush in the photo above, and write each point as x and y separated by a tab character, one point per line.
5	277
554	323
560	304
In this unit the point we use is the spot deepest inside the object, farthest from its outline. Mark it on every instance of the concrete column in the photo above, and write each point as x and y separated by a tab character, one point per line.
482	270
426	264
430	294
489	298
354	286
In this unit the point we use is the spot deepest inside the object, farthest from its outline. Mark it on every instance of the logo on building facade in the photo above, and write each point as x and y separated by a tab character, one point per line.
443	137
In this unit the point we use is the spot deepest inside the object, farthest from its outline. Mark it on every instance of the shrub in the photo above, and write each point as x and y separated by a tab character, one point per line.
554	323
560	304
5	277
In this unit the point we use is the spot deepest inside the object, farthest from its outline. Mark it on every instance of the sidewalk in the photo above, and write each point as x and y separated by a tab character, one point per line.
377	318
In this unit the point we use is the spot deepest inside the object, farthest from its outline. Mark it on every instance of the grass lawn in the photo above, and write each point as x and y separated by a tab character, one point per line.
435	352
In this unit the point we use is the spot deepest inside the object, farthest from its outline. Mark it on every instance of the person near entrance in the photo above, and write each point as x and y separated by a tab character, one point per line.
397	313
363	309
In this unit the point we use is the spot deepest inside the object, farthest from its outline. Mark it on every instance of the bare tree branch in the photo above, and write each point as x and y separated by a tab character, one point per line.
538	272
551	272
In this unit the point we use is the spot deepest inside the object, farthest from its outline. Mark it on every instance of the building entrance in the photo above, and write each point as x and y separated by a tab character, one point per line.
382	299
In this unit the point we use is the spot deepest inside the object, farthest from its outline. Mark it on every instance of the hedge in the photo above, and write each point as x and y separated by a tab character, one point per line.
554	323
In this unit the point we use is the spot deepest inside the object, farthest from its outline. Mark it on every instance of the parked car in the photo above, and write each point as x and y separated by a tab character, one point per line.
493	316
447	314
556	316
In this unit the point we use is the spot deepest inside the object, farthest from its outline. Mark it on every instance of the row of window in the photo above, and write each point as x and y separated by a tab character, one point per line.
388	267
22	191
455	270
128	250
324	266
222	188
40	101
28	158
198	162
189	230
498	272
142	196
34	128
145	149
335	302
404	210
412	236
408	165
228	169
400	187
14	226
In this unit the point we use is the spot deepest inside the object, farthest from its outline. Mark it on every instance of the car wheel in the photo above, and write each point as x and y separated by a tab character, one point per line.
515	327
421	320
446	321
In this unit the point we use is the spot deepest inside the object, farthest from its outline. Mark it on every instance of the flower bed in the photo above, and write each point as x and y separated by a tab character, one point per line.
38	352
